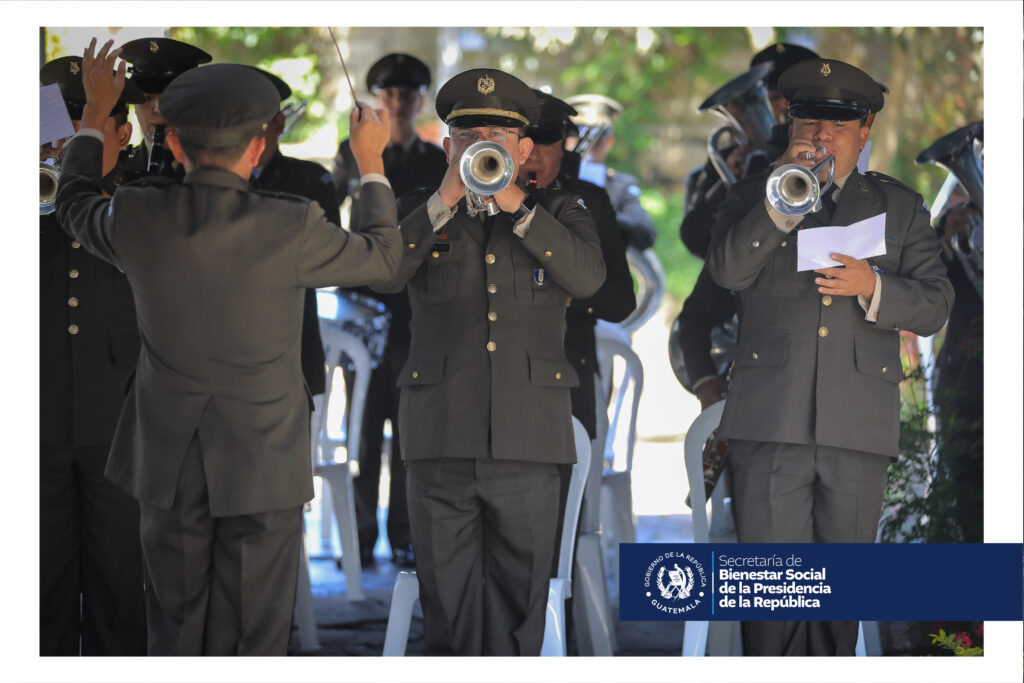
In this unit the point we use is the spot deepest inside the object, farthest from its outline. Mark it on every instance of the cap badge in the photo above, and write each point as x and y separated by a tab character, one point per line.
74	68
153	47
485	85
825	69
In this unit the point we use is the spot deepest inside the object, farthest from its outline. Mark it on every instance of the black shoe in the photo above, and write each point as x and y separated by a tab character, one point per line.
404	557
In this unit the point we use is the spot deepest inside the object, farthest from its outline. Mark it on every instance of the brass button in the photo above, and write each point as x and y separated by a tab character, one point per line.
492	316
547	254
489	258
73	328
783	243
73	273
822	331
73	302
492	288
558	375
827	300
491	346
75	244
754	355
755	244
411	245
885	368
590	309
583	361
415	375
434	254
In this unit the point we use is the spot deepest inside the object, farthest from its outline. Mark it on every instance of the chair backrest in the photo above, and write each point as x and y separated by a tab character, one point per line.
608	347
337	341
574	500
693	448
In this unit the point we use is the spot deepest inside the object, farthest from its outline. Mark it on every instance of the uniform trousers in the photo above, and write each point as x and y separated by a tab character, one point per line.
218	585
484	534
90	559
790	493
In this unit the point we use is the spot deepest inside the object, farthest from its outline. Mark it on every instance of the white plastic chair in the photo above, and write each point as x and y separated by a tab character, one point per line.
723	637
717	637
337	474
407	587
616	500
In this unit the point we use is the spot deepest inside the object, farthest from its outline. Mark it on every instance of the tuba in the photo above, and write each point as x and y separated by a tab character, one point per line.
486	168
49	177
743	103
962	153
793	190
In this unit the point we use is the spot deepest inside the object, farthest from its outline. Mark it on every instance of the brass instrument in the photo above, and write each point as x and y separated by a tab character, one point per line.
961	153
486	168
49	177
793	189
743	103
595	115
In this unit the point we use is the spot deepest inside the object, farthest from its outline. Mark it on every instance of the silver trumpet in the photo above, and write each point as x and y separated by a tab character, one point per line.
793	189
49	177
486	168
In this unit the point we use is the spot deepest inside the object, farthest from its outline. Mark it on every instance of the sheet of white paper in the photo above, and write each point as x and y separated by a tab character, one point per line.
860	240
54	122
864	158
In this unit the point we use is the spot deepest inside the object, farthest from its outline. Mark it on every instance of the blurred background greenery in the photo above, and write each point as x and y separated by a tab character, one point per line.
661	75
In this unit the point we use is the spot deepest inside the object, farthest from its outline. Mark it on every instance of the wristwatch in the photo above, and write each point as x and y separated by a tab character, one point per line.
528	205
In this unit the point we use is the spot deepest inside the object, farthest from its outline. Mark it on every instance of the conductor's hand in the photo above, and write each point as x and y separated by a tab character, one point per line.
102	84
370	131
855	278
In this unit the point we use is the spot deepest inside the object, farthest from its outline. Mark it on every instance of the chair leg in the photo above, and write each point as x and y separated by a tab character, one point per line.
590	607
304	617
345	513
554	620
695	638
403	598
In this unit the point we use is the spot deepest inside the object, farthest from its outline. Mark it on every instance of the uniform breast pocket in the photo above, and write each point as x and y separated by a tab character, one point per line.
441	277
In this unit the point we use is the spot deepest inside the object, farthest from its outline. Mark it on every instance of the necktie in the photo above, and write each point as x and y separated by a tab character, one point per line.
824	215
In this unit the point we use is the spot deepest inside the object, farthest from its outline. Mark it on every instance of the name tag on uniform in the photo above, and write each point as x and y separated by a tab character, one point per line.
539	276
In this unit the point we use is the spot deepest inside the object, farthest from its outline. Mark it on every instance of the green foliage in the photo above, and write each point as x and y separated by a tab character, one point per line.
958	644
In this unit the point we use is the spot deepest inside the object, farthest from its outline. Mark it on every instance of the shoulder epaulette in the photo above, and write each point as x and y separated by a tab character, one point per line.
412	199
151	181
889	179
282	195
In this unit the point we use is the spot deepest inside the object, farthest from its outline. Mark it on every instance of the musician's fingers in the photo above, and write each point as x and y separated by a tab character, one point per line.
844	259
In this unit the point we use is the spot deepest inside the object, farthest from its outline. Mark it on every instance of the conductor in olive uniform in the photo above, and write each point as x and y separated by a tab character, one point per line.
399	82
90	559
813	414
277	173
485	413
213	439
153	64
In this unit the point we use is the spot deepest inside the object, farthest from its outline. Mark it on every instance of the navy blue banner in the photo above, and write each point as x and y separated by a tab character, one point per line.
820	581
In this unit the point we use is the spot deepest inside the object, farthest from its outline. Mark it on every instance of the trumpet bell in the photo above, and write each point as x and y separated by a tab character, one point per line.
793	190
49	177
486	168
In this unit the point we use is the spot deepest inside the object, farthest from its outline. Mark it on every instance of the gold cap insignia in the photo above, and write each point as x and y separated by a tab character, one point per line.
153	47
485	85
74	68
825	69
